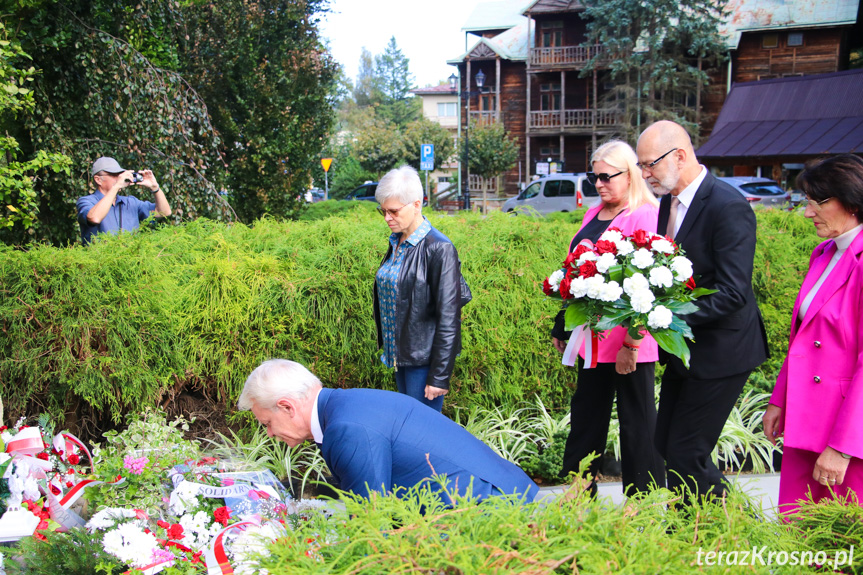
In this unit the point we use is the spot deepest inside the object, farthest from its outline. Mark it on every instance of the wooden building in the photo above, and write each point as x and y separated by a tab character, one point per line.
532	52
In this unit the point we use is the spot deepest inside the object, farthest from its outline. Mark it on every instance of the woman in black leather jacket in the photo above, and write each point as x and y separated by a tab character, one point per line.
418	293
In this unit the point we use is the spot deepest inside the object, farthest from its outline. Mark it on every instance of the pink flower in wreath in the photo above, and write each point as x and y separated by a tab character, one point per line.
135	465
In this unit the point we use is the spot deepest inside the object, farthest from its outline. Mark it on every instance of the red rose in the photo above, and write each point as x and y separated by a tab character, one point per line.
163	524
175	531
606	247
546	287
690	283
55	490
641	238
570	259
587	270
564	287
74	459
222	515
581	249
43	456
207	460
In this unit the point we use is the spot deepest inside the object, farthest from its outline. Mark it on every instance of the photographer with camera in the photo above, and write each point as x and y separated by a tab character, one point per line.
106	211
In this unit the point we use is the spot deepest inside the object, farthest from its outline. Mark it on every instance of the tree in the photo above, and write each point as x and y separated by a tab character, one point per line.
270	89
394	81
658	54
489	152
18	200
109	87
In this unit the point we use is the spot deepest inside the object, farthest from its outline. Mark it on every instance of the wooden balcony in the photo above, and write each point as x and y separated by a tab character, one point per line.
576	56
484	118
559	120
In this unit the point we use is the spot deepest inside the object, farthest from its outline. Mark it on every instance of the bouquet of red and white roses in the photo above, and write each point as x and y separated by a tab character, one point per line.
643	282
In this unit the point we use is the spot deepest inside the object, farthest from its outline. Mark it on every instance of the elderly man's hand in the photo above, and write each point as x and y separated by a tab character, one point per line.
433	392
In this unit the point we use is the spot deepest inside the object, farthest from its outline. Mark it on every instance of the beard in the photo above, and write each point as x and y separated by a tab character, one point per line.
666	183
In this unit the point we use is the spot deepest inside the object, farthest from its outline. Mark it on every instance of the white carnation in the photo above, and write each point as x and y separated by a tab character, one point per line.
130	544
635	283
586	257
611	291
554	279
578	287
604	262
108	518
641	300
662	246
594	286
612	236
682	268
624	248
661	277
660	317
642	258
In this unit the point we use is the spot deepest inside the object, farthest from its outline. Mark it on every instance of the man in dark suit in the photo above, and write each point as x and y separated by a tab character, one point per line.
375	440
716	227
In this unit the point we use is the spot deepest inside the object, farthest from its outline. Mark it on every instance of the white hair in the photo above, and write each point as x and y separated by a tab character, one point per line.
275	379
402	184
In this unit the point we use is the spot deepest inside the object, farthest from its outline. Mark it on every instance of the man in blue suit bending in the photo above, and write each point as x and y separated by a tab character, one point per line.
375	440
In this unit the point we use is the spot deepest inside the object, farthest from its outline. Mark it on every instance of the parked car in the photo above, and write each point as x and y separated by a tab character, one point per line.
365	192
555	193
314	195
760	191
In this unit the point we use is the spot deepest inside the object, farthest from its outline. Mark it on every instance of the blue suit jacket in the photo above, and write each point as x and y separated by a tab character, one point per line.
382	441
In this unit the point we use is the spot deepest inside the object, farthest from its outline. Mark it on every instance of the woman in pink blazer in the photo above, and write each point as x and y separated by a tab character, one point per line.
818	400
625	365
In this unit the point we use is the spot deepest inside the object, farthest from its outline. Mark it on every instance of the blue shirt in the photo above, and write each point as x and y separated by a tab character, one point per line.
126	214
387	279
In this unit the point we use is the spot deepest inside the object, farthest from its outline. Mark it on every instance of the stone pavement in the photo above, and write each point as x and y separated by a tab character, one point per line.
759	486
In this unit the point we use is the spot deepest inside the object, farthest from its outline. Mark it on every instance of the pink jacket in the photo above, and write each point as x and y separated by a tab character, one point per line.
644	218
820	385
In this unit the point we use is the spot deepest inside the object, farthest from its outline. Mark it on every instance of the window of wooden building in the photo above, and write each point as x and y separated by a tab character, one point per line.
551	34
795	38
769	41
486	103
549	96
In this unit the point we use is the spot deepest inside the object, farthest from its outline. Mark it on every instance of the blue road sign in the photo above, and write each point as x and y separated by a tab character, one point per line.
427	157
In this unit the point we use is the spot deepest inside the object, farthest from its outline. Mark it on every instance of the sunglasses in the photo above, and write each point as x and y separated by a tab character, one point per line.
604	178
392	213
651	165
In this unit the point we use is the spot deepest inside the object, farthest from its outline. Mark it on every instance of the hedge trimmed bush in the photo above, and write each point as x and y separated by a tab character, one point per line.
94	332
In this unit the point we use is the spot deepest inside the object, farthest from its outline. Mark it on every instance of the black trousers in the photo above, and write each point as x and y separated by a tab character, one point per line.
692	413
636	409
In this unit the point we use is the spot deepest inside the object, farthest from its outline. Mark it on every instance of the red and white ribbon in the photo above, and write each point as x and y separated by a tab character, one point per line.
28	441
59	508
591	347
216	557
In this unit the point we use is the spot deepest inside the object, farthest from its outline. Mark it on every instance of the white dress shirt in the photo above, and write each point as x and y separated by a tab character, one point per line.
686	197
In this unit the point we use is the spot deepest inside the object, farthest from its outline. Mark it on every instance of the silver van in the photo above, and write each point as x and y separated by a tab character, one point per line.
555	193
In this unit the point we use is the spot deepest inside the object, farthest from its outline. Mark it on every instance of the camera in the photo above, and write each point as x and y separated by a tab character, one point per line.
136	178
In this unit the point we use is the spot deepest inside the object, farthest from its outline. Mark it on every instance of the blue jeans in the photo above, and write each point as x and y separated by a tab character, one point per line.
412	381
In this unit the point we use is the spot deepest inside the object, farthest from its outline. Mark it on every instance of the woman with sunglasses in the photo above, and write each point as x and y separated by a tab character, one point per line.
625	365
418	293
817	403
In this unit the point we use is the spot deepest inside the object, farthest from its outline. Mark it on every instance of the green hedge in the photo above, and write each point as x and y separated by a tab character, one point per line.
94	332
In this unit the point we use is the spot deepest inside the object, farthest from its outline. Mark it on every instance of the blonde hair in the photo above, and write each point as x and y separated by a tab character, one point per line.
621	156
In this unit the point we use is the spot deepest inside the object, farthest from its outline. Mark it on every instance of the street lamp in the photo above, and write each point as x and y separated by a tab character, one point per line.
454	84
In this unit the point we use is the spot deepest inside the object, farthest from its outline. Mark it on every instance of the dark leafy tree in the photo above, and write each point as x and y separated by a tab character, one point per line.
109	86
657	53
270	88
490	152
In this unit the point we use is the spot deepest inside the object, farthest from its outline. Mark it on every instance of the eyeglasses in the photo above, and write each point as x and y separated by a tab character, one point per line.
392	213
604	178
651	165
815	204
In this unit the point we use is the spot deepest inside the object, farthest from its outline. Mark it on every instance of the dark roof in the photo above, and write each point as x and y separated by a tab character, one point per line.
801	116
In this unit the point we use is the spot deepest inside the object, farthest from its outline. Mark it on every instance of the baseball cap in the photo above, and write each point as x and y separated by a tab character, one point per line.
106	164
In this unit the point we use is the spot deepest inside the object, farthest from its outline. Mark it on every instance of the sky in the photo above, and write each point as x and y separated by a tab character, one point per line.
428	33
